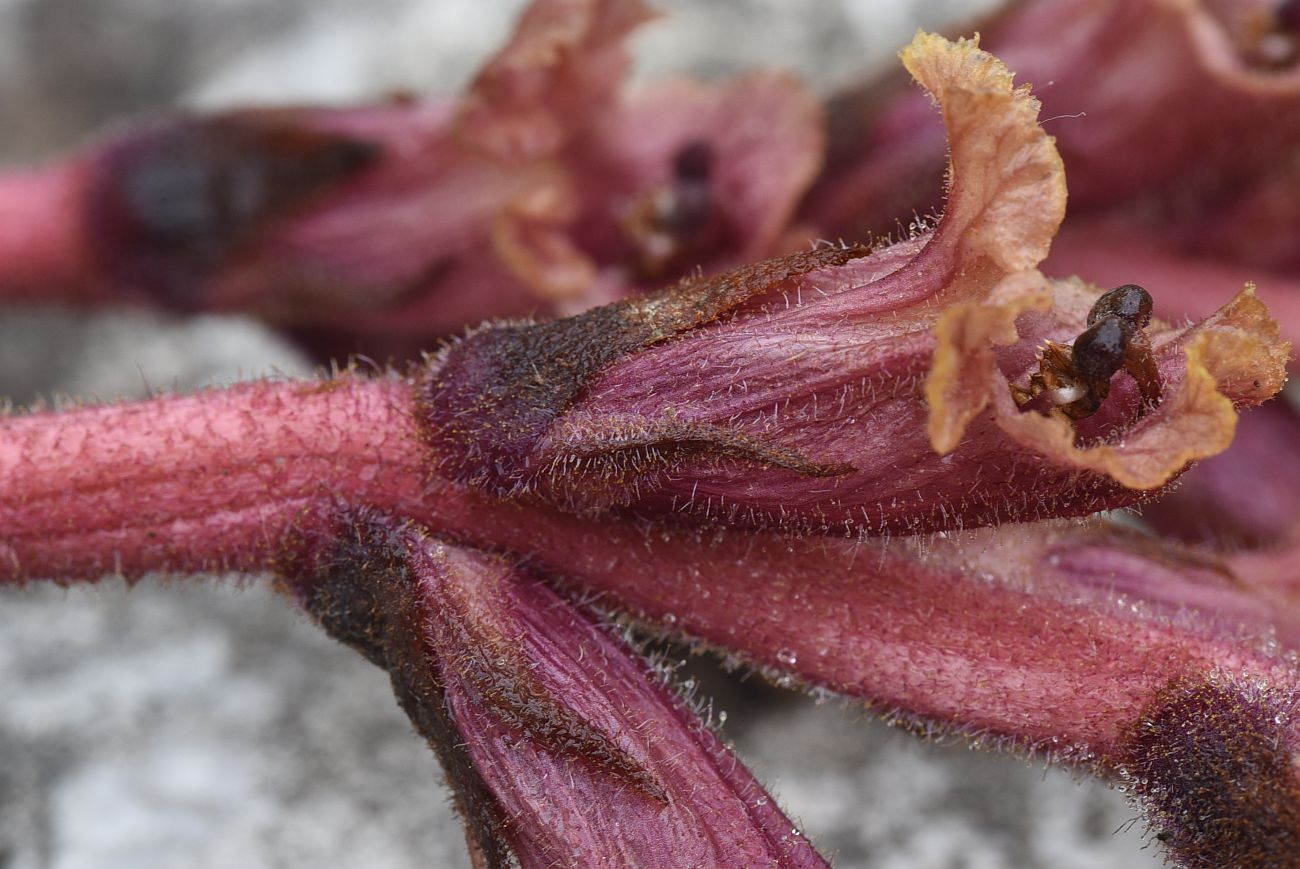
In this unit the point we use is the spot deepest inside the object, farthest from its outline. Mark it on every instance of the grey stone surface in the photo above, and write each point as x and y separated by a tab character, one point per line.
193	723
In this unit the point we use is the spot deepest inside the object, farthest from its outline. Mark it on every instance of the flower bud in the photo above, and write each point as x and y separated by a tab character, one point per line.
564	747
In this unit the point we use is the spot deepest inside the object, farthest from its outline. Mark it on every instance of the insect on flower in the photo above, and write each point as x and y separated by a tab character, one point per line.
1076	378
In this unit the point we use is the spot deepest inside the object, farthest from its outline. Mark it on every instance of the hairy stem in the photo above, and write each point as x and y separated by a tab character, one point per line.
204	482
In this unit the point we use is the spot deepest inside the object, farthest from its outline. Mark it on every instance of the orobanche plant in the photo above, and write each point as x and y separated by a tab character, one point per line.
855	467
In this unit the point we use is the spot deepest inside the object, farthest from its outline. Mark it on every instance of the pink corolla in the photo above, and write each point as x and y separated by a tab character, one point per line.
734	460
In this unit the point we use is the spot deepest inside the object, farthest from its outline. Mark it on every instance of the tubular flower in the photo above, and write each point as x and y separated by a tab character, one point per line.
542	188
848	390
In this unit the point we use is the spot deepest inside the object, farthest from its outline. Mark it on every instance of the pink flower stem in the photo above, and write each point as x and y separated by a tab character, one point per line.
204	482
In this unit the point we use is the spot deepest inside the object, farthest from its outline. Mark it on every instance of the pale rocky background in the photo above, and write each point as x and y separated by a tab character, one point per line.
207	725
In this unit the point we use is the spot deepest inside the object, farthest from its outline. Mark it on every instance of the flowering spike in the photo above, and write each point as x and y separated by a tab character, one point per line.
936	383
1054	638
